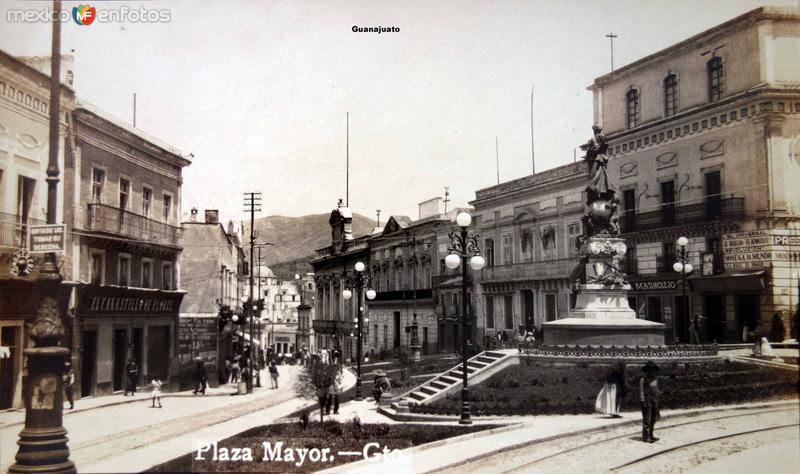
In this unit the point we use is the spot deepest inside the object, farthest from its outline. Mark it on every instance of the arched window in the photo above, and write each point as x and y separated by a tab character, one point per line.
632	98
670	95
716	79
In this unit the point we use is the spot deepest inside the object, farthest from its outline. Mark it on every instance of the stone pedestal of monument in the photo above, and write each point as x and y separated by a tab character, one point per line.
601	315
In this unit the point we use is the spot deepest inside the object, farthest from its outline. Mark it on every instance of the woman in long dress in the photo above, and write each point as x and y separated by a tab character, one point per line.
610	398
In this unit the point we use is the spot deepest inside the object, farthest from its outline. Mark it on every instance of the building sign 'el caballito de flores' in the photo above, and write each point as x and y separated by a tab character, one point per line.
756	248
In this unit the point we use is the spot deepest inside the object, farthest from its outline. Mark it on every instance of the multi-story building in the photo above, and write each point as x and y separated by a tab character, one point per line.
704	144
24	156
405	260
212	262
334	324
528	229
305	311
122	202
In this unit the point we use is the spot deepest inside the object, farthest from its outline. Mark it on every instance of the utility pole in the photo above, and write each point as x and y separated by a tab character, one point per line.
347	183
446	197
611	36
497	158
533	160
378	211
252	204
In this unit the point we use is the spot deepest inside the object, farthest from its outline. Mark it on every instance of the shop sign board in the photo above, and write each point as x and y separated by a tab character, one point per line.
759	248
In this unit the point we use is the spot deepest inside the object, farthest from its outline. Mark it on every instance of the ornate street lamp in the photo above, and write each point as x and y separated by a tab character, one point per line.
358	282
684	268
464	249
43	441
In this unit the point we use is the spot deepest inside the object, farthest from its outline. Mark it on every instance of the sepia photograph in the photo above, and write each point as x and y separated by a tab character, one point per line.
376	236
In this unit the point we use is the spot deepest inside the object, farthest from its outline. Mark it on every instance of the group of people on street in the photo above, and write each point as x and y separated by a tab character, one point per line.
611	396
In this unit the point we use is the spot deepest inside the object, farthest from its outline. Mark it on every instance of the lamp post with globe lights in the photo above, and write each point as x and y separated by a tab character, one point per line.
464	250
358	282
684	268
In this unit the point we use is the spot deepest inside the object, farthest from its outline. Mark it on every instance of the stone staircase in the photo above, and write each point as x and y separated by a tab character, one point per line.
479	367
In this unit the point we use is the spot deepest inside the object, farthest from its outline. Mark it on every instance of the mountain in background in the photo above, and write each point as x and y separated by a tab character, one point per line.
295	240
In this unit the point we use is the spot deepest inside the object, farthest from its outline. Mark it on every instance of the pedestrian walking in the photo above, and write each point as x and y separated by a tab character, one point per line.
273	374
155	393
610	398
337	387
694	333
235	369
529	342
650	397
132	374
520	341
68	380
200	376
777	330
503	337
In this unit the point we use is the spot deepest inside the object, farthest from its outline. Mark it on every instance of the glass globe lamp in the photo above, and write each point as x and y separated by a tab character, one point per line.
452	261
463	219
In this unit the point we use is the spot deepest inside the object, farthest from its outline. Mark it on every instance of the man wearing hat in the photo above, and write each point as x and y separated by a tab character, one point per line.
381	385
649	395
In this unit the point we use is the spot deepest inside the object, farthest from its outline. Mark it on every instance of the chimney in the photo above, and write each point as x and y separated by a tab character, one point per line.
212	216
193	215
431	207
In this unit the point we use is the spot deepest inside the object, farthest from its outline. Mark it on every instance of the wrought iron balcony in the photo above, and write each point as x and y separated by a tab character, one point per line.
672	215
420	294
333	326
14	230
540	270
629	266
439	279
113	220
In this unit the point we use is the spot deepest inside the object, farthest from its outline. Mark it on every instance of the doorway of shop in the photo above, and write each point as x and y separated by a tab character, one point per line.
527	306
120	353
88	357
748	313
714	306
8	366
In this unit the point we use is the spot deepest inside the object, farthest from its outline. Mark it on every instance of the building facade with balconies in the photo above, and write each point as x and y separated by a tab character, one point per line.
704	144
528	228
405	258
24	156
334	323
122	202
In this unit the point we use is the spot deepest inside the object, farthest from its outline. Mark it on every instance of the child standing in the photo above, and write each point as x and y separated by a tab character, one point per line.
156	392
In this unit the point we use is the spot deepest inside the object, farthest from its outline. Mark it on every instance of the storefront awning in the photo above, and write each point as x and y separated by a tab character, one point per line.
730	281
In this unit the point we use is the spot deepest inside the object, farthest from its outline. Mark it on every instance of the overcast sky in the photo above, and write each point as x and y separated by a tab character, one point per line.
259	91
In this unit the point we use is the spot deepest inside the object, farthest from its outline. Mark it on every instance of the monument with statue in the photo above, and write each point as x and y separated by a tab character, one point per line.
601	315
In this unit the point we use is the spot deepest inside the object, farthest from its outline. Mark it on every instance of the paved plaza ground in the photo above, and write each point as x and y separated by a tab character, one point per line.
124	434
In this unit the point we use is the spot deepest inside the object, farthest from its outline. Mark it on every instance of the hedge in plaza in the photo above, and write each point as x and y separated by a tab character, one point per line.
546	388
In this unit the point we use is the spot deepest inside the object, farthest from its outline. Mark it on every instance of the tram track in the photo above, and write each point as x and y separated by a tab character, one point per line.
618	433
697	443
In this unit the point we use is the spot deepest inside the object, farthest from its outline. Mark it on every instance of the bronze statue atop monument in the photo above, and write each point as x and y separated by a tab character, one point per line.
601	314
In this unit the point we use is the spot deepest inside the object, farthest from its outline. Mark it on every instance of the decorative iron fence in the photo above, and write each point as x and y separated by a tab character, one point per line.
671	215
14	230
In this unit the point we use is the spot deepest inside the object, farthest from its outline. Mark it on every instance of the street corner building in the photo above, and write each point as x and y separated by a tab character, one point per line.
213	270
704	144
122	202
24	137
